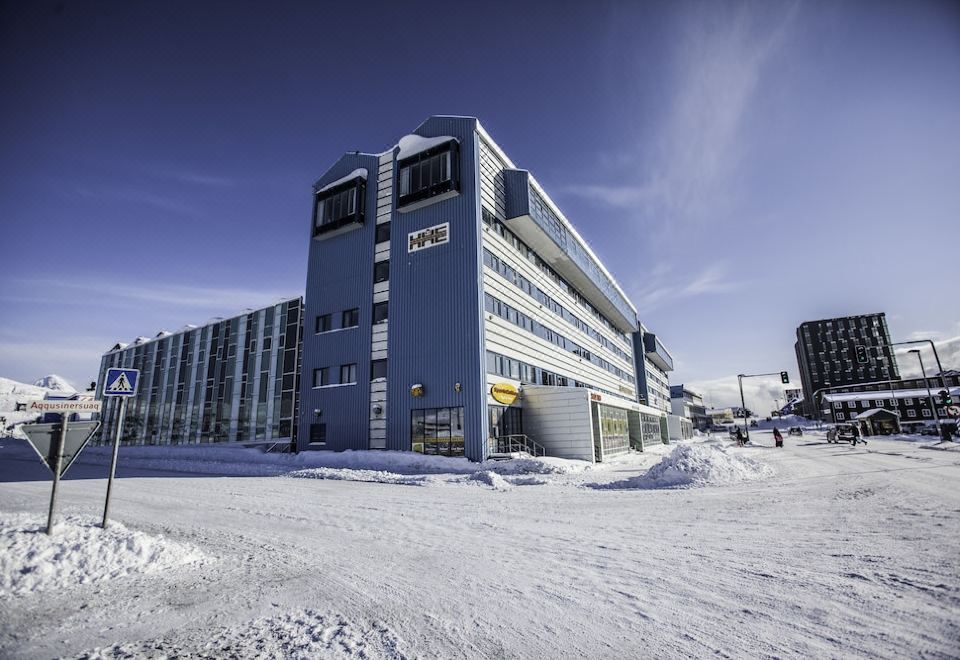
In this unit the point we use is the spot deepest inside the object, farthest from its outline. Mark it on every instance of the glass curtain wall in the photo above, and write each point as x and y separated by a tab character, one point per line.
232	380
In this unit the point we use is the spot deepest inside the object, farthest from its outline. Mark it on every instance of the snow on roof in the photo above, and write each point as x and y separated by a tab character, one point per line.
360	172
887	394
872	412
411	145
163	333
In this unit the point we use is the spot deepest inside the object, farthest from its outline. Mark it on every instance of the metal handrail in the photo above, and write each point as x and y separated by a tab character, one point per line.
515	443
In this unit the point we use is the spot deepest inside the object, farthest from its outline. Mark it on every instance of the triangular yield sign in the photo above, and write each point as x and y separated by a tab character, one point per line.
44	437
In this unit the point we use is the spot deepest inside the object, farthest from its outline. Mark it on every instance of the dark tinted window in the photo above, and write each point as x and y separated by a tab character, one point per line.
324	323
380	312
321	376
378	369
383	232
381	272
351	318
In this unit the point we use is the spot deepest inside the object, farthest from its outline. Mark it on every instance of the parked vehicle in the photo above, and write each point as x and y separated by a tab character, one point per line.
795	430
844	433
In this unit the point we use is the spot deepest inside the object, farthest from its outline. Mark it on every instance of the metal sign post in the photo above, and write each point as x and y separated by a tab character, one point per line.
121	383
58	445
57	463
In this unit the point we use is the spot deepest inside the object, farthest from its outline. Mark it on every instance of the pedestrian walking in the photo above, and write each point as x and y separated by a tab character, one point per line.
777	437
739	437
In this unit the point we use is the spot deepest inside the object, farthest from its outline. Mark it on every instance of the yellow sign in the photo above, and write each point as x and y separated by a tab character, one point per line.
416	390
505	393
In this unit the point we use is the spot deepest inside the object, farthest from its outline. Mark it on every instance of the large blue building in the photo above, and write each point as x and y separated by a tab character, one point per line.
450	302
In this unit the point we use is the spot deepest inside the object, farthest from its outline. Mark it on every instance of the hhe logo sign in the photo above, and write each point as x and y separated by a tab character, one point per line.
429	237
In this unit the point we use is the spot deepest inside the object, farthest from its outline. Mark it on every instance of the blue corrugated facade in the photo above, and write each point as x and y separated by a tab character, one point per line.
424	348
338	279
435	306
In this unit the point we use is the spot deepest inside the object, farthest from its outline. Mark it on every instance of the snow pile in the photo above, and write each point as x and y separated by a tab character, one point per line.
696	465
13	392
302	634
55	383
79	552
492	479
369	476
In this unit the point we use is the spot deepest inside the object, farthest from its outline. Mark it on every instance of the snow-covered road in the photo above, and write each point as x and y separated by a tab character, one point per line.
843	552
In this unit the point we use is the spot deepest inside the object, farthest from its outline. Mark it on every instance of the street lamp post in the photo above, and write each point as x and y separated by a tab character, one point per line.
933	405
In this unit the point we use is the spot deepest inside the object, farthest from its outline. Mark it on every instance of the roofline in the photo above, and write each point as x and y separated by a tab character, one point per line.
553	207
186	327
840	318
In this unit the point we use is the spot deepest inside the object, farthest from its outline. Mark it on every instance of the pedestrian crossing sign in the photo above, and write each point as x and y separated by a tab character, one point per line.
121	382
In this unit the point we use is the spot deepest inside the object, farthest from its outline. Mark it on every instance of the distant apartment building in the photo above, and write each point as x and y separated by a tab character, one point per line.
230	380
827	354
688	404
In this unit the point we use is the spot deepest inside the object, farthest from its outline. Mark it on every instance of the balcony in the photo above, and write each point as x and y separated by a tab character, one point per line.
531	218
656	352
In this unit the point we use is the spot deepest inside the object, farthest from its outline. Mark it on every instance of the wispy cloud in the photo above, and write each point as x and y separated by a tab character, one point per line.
663	285
208	298
684	177
948	349
137	195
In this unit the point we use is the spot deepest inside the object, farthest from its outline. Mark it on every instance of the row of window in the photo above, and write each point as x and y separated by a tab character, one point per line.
349	318
521	320
533	375
912	413
348	374
510	274
491	220
421	176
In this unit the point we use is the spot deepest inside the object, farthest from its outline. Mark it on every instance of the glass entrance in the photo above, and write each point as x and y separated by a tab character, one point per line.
504	420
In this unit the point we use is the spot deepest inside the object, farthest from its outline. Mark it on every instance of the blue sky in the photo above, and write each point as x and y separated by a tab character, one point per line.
740	167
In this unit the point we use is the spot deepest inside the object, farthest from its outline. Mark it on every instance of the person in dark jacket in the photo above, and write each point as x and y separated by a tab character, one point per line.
777	437
739	437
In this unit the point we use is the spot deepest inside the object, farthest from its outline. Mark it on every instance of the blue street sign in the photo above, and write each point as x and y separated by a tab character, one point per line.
121	382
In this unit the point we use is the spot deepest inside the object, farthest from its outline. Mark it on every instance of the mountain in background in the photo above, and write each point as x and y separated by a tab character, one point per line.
13	392
55	383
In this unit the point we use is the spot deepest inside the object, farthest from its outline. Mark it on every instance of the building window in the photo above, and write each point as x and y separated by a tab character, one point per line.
429	173
839	415
437	431
381	272
348	374
911	413
324	324
926	412
321	376
851	405
379	312
339	206
378	369
318	434
383	232
908	402
351	318
838	405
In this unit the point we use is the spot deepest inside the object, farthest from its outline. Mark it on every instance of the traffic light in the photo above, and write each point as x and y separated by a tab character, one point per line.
945	398
784	377
862	355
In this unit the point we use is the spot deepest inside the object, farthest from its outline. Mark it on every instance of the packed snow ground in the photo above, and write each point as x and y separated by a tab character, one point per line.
815	550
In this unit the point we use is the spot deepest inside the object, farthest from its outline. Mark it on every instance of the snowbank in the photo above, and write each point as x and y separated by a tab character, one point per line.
696	465
79	552
234	460
301	634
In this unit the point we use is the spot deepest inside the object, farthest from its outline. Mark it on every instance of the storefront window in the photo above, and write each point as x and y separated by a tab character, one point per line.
437	431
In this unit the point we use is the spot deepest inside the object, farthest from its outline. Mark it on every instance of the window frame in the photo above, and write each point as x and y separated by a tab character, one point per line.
381	271
376	308
324	373
355	311
358	186
329	323
374	365
451	183
383	227
351	369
